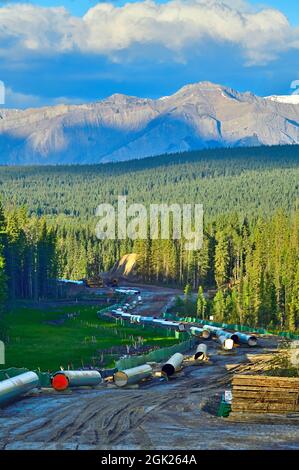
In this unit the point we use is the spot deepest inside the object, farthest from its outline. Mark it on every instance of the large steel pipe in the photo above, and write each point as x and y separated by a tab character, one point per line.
232	336
181	327
211	328
169	324
122	290
200	332
250	340
75	378
173	364
159	322
147	320
174	324
117	313
14	388
132	376
136	318
201	352
126	316
226	343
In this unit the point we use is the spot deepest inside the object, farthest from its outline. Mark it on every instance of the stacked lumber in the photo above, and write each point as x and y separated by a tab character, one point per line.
94	283
264	418
262	394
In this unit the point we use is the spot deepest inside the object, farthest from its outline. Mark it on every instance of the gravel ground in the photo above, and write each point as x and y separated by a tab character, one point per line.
178	414
158	415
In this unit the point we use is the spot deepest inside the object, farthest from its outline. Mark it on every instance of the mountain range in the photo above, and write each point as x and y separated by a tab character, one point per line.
201	115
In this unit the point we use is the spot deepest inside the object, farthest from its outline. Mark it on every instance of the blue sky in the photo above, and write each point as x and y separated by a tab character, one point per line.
79	7
288	7
88	49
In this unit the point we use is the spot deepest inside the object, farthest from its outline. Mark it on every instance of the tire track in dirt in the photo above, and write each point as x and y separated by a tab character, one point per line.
112	417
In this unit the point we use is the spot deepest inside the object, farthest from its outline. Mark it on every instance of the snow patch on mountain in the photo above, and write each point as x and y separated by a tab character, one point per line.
287	99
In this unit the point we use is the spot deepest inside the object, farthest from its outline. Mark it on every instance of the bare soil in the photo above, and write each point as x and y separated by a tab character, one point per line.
177	414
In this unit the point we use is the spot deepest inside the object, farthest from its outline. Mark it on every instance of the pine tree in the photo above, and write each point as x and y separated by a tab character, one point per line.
3	277
293	317
3	280
201	303
188	298
221	259
187	292
219	307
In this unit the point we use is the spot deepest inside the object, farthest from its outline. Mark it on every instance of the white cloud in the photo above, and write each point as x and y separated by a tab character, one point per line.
176	25
16	99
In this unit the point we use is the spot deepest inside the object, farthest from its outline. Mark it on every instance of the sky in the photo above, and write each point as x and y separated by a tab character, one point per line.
75	51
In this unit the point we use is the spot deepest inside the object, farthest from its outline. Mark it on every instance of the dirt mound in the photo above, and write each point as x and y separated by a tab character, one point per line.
126	267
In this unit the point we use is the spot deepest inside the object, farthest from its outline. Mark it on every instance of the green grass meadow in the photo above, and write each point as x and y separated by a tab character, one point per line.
78	341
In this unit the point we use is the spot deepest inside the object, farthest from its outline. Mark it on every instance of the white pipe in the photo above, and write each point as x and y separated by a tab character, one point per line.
200	332
75	378
201	352
171	324
13	388
132	376
226	343
173	364
232	336
126	315
251	340
135	318
211	328
117	312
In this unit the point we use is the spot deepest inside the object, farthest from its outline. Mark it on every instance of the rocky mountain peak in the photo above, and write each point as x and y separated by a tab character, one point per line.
121	127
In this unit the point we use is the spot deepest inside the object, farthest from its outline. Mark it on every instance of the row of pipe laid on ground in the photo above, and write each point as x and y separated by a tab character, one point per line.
225	338
173	365
228	339
64	379
15	388
136	374
152	321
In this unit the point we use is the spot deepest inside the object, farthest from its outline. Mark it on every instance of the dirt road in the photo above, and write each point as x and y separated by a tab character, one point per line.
155	299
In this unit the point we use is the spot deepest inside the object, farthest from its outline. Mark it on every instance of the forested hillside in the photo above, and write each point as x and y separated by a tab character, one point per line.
28	255
250	181
251	240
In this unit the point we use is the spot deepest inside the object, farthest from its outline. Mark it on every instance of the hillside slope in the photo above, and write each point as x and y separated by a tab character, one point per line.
247	180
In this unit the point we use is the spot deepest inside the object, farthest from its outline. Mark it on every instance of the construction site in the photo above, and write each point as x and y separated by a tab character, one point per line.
220	392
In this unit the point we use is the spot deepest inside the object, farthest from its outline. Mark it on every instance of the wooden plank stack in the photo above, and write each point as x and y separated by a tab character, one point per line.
263	394
94	283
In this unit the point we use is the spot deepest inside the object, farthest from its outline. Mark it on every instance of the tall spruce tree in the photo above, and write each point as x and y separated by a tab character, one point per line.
201	304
